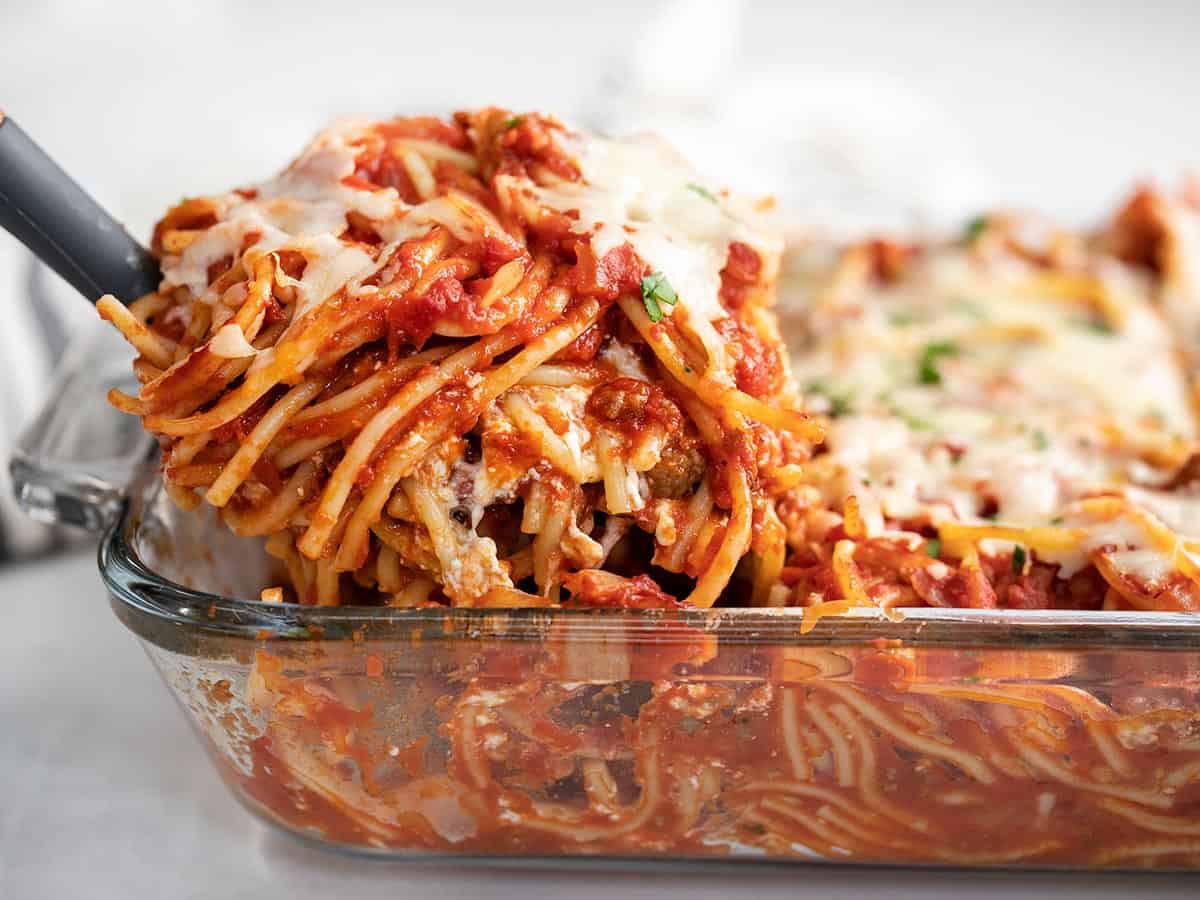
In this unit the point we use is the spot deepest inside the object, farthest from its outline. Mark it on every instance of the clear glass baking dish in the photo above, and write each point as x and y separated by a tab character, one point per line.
967	738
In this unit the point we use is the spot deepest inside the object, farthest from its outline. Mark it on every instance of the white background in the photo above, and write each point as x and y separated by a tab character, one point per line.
875	114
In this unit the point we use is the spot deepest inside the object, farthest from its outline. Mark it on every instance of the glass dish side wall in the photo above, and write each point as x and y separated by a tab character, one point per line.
691	746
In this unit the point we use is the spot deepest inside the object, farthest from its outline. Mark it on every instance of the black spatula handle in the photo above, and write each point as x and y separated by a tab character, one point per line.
43	208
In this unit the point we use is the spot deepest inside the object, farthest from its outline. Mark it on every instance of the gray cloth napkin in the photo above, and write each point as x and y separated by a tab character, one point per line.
41	314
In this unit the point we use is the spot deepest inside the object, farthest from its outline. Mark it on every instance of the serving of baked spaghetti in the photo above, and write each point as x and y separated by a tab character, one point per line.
485	362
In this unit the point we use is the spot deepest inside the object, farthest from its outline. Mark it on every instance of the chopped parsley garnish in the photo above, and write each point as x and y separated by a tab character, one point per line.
1057	520
933	548
969	308
510	123
927	364
975	228
1040	441
916	423
1018	559
839	403
655	291
1099	326
902	318
702	191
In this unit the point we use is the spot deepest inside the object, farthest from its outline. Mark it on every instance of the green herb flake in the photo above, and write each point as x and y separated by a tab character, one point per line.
839	405
1040	441
902	318
933	548
915	423
702	191
1018	559
972	679
976	227
1057	520
1100	326
509	124
969	309
657	290
927	363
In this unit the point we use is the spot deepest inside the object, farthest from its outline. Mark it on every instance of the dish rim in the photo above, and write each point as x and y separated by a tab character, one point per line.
147	602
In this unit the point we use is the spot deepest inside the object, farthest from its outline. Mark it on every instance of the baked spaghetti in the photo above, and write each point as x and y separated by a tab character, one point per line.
491	361
494	362
1012	417
486	362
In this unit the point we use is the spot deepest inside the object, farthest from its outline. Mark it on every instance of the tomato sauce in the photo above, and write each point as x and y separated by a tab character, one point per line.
743	268
757	364
639	592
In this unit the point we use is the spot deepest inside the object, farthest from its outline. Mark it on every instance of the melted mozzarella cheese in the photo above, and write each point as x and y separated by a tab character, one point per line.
303	209
1148	566
1181	512
637	191
332	265
640	191
962	393
230	342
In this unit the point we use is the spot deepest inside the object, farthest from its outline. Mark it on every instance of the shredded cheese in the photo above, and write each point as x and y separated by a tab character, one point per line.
639	190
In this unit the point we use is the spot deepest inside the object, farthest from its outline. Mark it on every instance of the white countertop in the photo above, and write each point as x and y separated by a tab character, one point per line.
105	793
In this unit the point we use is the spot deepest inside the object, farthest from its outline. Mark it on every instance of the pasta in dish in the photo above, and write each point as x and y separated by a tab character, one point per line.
1012	416
494	362
491	361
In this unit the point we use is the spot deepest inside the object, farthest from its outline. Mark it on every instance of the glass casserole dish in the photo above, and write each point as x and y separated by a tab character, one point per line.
955	737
